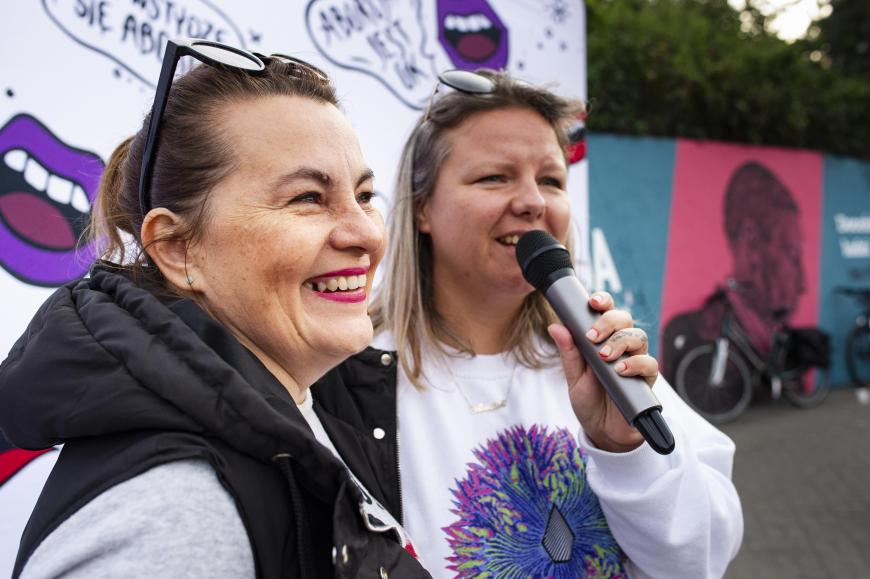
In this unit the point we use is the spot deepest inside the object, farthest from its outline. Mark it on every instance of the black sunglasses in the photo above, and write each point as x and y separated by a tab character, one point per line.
463	81
213	54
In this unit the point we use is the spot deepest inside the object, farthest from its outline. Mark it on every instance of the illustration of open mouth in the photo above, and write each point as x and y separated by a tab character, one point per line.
472	34
47	189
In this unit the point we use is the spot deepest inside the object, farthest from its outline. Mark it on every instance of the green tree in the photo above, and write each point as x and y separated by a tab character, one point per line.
844	36
700	69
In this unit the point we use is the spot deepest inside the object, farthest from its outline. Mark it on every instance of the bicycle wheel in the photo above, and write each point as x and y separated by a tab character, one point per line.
858	356
716	402
800	385
802	395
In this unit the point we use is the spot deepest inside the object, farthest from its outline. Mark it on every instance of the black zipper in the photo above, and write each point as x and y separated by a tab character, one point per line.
398	464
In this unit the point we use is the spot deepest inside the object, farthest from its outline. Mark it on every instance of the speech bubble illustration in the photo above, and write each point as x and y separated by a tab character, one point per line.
133	34
385	39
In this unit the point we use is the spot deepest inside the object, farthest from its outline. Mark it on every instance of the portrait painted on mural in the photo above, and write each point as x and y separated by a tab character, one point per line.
744	236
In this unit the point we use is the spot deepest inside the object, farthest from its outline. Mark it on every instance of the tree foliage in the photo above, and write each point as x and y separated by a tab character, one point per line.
844	37
700	69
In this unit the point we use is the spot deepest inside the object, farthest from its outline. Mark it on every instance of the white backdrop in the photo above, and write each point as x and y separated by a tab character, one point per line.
77	76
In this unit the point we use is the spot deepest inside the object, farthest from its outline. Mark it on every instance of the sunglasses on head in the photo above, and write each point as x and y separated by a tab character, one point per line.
462	81
474	83
214	54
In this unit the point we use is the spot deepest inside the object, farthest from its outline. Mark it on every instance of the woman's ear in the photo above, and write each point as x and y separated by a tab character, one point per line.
167	250
422	219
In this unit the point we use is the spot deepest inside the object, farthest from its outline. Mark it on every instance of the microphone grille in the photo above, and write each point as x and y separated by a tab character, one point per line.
539	255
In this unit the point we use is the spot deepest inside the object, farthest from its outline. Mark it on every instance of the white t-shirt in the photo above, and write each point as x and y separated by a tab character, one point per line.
519	491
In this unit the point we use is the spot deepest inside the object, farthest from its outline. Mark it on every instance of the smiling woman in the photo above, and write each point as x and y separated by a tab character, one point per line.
296	210
514	465
177	374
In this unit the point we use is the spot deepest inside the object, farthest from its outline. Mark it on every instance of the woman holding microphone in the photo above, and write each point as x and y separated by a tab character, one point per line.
513	461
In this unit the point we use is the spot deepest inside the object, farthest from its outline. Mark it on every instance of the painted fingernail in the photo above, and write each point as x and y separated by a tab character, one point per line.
621	367
598	299
592	334
605	351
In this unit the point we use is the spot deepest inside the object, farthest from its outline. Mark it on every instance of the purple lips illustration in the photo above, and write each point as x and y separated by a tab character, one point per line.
472	34
47	189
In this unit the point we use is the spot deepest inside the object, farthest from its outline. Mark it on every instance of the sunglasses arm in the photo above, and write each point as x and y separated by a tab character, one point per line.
167	72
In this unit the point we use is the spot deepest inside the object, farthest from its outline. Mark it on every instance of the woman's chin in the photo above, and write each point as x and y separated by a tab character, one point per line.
516	286
353	338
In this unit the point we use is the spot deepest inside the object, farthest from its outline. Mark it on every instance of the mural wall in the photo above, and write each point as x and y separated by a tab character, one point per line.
673	220
77	77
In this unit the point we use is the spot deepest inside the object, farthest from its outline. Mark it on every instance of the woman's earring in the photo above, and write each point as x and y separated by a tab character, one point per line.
189	281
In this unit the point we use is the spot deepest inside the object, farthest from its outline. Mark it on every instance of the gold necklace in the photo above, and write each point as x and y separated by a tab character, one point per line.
481	407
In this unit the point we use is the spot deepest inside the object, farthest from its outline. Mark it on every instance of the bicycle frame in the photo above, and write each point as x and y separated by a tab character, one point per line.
733	333
856	363
862	296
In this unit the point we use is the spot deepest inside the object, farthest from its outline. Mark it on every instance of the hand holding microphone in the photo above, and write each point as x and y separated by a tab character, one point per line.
546	265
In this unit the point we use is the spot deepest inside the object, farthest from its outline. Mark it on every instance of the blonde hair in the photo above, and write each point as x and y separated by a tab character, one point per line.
404	304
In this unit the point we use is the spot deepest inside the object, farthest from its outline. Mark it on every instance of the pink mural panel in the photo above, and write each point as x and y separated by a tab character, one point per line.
749	213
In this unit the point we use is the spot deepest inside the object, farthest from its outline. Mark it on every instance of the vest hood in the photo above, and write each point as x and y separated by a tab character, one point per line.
105	356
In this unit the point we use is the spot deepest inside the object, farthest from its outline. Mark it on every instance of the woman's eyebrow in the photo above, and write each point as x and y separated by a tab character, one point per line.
312	174
367	175
303	174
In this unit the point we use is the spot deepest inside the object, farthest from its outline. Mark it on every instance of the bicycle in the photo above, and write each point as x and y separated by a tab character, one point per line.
858	341
717	381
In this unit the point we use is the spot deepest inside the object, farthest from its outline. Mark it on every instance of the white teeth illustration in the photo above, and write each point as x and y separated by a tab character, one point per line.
477	22
467	22
80	200
15	159
57	189
35	175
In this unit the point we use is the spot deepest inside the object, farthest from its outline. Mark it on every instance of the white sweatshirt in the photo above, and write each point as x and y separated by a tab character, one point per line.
504	491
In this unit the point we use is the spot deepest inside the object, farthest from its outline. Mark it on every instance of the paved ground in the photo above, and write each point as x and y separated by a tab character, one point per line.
804	480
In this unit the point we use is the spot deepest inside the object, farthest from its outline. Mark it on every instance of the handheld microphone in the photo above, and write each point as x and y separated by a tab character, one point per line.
546	265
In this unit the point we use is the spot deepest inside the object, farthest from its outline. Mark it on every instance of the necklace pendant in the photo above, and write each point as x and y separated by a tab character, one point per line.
481	407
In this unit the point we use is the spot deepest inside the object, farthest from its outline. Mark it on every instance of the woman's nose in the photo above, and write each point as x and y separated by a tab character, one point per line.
359	228
528	200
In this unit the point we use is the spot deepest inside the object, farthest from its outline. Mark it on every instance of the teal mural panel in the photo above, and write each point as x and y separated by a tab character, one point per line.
630	182
845	252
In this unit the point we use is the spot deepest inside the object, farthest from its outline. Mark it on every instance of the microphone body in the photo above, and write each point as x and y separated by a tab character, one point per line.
547	265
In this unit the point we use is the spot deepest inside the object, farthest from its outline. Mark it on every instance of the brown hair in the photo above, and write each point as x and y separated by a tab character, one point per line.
192	157
405	304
